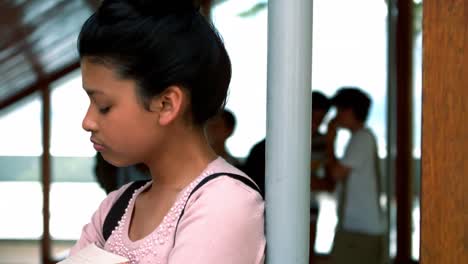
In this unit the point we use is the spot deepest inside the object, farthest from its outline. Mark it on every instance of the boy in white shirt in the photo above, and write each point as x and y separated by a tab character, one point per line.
360	235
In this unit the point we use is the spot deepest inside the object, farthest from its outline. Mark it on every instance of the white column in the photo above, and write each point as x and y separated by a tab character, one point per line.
288	131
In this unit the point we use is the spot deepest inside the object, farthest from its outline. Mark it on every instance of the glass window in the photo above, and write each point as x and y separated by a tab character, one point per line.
350	54
417	117
75	195
20	151
247	94
349	49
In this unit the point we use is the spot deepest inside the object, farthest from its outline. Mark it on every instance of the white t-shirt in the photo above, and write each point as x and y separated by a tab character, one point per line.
361	212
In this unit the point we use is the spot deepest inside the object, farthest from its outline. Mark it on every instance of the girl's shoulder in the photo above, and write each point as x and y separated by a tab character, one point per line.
233	178
115	195
111	199
92	232
223	214
231	188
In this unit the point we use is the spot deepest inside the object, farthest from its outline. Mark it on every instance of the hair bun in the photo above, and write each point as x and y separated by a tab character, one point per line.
163	7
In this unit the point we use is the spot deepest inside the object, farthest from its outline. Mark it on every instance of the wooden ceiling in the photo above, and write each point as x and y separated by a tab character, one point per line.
38	42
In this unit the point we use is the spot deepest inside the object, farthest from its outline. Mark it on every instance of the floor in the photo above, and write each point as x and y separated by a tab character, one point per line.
28	252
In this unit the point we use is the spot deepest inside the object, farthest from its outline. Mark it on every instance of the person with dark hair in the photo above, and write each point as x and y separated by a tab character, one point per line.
111	178
155	72
255	163
320	106
218	130
361	223
319	180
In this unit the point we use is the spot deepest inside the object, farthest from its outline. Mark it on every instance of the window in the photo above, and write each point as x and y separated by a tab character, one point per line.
20	151
417	117
349	49
75	195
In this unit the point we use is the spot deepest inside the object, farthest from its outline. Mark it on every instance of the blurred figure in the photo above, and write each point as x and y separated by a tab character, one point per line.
218	130
361	223
111	178
255	165
319	180
320	106
106	174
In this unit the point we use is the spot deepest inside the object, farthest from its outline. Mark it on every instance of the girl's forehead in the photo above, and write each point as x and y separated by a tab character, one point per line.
100	81
97	74
91	67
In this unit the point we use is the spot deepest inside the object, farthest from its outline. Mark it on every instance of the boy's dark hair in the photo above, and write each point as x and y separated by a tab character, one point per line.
229	119
354	99
158	44
320	101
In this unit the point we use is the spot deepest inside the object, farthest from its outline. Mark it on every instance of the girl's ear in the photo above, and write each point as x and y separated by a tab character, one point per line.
169	104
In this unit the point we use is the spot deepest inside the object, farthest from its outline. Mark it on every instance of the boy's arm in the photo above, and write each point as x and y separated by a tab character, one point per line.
339	171
335	170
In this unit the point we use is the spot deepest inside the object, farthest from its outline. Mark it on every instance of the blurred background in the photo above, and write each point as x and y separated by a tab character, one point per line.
46	157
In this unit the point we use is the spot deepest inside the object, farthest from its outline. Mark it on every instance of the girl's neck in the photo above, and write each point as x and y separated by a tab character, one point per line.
219	148
183	157
356	127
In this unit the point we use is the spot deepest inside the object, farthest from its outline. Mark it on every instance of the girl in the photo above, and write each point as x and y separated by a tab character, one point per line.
155	72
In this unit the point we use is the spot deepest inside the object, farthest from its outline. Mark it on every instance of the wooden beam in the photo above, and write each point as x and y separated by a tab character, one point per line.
404	92
45	81
444	226
46	176
20	40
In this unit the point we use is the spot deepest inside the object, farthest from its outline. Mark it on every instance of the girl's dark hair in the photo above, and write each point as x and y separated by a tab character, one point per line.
320	101
159	44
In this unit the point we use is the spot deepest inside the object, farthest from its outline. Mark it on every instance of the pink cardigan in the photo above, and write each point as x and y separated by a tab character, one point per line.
223	223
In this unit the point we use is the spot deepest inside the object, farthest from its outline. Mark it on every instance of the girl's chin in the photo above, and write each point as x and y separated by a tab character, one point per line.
116	161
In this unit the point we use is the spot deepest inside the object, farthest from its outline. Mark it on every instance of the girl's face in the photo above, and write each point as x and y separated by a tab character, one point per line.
121	128
344	117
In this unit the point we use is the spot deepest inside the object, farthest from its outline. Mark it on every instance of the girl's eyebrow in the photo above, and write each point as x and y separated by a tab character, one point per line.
91	92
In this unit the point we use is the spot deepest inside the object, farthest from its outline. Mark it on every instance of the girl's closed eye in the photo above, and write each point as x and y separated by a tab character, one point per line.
104	110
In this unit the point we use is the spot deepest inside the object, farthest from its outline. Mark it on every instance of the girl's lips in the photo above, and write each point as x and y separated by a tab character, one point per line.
98	147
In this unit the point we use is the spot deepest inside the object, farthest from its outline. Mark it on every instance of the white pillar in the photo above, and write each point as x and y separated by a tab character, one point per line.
288	131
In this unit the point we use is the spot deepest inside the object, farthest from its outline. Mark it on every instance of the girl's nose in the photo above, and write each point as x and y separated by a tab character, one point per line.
89	123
